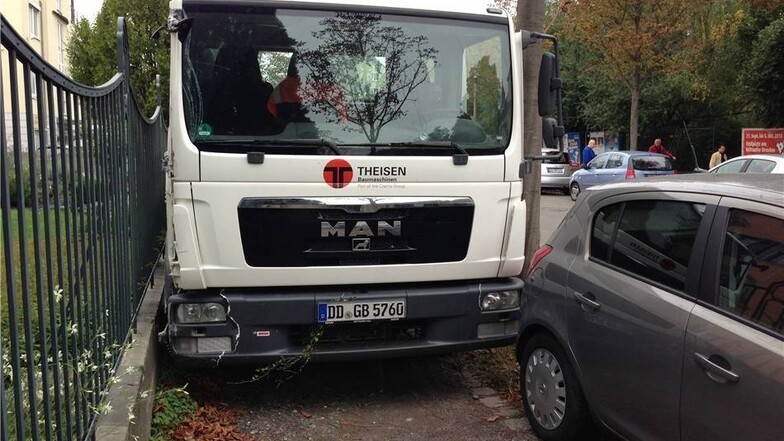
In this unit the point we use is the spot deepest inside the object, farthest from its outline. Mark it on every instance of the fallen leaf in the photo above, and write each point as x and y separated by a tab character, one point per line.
305	413
494	418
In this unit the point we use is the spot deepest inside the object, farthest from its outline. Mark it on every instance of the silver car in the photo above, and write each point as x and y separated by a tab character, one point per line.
657	310
556	173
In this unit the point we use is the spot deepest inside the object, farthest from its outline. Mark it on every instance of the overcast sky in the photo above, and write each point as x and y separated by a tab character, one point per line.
87	8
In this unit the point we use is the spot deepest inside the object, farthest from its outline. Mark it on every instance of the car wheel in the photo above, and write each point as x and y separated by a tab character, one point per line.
552	397
574	190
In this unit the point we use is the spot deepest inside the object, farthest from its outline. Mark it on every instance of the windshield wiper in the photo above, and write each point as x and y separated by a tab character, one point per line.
249	144
459	158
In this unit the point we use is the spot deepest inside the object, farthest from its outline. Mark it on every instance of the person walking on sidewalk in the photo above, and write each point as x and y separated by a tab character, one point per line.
588	152
718	156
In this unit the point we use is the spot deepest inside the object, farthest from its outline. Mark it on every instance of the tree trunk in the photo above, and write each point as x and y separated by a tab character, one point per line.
634	114
530	16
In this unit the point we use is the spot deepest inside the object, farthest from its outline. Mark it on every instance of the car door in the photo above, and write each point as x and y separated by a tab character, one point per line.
632	293
733	376
613	170
589	177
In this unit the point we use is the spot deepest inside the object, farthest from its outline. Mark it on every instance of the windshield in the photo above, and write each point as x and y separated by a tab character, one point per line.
365	83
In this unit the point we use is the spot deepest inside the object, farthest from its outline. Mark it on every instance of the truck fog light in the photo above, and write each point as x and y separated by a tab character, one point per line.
185	345
201	313
498	300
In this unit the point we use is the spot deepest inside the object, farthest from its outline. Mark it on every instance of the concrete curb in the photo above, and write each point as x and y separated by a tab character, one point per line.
134	394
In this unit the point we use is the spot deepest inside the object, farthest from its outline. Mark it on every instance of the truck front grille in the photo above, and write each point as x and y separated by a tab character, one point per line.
283	236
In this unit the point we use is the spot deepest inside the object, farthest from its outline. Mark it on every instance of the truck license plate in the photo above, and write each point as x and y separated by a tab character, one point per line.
332	312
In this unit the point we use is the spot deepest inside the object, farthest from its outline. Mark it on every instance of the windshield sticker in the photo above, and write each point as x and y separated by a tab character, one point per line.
204	130
338	173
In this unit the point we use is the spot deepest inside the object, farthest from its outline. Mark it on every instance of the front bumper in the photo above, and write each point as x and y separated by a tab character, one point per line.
265	324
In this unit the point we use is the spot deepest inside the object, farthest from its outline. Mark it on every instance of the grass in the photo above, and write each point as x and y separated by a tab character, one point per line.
496	368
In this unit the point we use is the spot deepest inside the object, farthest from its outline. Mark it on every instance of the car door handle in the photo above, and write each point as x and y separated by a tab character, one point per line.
587	301
716	372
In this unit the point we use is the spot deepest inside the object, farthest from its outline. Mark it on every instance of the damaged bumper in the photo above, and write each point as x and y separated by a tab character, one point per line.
262	325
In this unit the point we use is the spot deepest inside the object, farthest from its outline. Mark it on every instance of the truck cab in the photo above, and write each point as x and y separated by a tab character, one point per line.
343	180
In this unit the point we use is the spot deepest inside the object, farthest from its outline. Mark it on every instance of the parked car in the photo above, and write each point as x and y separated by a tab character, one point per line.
751	164
557	173
657	310
619	166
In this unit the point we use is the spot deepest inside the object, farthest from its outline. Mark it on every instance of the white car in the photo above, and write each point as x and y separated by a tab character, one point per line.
751	164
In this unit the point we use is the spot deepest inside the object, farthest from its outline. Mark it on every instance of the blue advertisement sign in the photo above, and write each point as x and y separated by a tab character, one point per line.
574	146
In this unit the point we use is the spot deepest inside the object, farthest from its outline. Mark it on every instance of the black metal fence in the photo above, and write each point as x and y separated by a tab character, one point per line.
81	209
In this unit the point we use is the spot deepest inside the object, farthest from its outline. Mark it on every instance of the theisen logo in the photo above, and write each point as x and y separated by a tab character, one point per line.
338	173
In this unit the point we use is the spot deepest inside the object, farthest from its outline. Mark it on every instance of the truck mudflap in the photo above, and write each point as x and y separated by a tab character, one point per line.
250	326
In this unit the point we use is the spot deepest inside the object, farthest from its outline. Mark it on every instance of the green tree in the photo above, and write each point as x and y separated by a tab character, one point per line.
632	42
764	74
92	50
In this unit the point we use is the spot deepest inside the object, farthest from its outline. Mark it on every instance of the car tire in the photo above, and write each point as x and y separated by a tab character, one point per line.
574	190
565	190
553	400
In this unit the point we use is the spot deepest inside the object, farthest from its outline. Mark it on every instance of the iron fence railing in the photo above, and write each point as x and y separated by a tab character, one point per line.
81	209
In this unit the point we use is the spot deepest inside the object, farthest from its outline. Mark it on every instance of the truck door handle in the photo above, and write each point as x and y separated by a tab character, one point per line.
588	301
714	370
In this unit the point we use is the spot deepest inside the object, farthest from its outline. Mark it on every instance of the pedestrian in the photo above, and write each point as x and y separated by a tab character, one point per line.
657	147
718	156
588	152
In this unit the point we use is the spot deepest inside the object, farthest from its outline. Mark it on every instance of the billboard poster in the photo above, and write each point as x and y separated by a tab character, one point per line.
762	142
574	146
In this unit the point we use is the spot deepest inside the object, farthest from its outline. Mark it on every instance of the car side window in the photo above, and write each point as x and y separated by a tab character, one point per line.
751	281
652	238
614	161
730	167
760	166
597	162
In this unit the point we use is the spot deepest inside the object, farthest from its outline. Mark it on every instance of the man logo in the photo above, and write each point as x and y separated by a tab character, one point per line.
338	173
360	244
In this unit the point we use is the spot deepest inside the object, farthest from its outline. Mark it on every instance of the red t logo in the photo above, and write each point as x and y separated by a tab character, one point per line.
338	173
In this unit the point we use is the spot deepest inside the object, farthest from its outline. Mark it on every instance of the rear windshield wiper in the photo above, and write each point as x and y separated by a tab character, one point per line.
459	158
248	145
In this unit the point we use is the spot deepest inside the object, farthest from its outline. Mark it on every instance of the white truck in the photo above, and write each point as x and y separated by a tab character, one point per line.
346	173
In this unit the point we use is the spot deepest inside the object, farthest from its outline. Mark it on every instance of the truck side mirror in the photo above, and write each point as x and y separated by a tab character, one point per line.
551	133
549	84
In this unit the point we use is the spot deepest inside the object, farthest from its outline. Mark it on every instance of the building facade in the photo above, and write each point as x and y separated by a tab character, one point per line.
46	26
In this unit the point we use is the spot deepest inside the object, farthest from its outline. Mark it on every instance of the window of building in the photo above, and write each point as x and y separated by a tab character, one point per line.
33	86
648	238
751	282
60	46
35	21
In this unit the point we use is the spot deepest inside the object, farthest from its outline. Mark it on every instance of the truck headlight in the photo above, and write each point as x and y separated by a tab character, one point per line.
201	313
498	300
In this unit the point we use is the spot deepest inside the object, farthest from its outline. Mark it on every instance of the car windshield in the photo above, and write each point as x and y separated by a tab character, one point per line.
651	163
363	82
